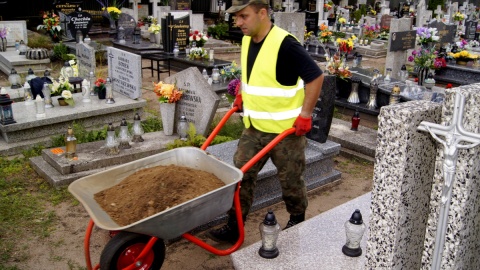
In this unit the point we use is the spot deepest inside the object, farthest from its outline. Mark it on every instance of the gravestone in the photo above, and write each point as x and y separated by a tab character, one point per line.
311	21
182	4
396	58
462	236
286	20
124	69
66	8
64	20
323	112
79	21
404	160
18	31
198	103
446	32
142	11
85	59
385	21
470	29
175	31
128	23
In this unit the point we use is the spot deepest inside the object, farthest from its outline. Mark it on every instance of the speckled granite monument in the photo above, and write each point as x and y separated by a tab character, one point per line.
404	168
407	189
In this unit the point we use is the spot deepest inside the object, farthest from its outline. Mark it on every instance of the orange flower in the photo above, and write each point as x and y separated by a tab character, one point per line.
167	93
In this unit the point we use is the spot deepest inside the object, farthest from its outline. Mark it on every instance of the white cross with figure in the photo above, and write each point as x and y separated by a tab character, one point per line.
288	5
454	135
154	7
135	9
439	12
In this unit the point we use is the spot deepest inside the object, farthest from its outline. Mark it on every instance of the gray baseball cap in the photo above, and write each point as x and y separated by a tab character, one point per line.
244	4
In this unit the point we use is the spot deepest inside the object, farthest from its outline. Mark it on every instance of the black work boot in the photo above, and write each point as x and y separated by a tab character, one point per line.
228	233
294	220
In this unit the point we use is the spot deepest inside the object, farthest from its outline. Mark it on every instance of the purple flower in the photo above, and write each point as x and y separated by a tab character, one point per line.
410	58
232	86
3	32
414	52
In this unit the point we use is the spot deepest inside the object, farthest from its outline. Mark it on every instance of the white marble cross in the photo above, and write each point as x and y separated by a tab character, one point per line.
288	5
155	7
135	9
455	137
439	12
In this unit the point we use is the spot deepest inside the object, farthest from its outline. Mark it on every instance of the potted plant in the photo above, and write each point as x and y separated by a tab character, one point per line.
63	89
100	88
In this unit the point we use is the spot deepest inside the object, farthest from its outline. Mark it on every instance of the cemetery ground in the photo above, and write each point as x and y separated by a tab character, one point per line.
43	228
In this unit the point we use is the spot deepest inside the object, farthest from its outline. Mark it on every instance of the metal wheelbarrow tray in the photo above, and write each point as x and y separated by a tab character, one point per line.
175	221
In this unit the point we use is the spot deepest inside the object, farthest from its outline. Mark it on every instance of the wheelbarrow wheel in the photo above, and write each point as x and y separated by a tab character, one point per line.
124	247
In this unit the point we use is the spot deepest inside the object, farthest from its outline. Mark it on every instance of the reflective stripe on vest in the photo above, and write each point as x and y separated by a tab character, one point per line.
268	105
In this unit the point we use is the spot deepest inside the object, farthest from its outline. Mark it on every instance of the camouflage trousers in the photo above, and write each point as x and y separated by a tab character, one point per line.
288	156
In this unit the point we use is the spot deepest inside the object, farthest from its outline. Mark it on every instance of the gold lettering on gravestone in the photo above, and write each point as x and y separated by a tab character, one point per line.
178	33
190	100
403	40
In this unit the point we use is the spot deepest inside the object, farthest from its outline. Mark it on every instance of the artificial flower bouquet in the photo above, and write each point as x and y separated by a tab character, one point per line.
99	85
427	35
167	93
198	53
198	37
63	89
370	31
154	28
342	20
458	17
4	32
337	67
325	35
114	12
464	56
307	34
232	89
345	45
231	71
327	7
384	33
51	24
427	58
112	8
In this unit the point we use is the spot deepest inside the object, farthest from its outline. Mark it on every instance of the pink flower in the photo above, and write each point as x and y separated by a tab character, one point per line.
410	58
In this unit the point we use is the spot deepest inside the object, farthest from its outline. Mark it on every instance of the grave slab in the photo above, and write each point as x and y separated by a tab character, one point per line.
11	59
59	118
311	245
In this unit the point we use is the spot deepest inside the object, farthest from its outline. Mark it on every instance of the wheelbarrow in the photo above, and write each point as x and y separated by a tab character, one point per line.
140	245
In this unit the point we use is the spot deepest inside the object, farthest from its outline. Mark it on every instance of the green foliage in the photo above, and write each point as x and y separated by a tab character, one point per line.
40	41
152	124
60	52
339	35
219	30
33	152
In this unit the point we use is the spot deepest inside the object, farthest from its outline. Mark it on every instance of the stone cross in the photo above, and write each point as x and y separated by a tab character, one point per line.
455	136
439	12
420	13
288	5
155	7
320	10
384	7
135	9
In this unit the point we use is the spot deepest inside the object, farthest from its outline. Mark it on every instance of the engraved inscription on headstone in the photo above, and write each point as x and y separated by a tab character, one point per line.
67	8
85	59
311	21
446	32
402	41
470	29
175	31
125	70
64	20
18	31
323	111
128	23
79	20
198	103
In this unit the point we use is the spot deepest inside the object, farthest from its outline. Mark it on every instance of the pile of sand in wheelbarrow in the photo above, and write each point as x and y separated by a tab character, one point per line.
153	190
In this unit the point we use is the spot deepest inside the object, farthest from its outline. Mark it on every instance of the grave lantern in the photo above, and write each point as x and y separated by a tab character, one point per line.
182	128
22	48
39	107
354	229
79	36
355	120
403	73
91	80
70	144
269	230
121	35
47	95
6	113
136	35
137	129
124	135
87	40
354	97
14	79
66	71
109	91
215	74
27	94
111	142
31	75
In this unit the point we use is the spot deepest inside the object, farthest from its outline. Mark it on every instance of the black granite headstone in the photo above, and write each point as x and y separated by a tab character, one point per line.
445	32
311	21
175	31
470	29
402	41
81	21
128	23
323	112
67	7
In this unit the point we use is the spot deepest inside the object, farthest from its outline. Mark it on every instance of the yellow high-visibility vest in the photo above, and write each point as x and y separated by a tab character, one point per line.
267	105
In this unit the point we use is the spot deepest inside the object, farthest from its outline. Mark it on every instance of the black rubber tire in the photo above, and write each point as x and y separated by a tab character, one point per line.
123	240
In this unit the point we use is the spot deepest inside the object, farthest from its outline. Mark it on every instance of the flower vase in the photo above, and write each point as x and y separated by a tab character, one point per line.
461	62
325	15
62	102
167	112
3	44
152	37
102	93
158	38
422	75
